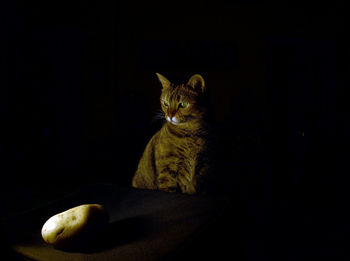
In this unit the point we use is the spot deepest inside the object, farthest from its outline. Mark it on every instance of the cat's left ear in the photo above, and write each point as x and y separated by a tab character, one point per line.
197	82
164	81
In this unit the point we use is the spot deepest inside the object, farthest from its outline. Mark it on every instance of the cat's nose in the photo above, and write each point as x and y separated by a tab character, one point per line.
171	114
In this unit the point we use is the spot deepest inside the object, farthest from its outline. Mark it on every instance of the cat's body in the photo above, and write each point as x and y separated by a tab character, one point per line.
176	157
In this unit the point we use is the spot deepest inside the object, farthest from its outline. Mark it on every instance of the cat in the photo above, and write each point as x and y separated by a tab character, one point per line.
176	159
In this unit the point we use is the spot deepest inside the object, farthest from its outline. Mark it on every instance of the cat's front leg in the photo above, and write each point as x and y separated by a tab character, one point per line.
167	183
185	183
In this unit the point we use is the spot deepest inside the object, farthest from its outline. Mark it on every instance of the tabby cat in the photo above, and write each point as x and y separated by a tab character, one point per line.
176	157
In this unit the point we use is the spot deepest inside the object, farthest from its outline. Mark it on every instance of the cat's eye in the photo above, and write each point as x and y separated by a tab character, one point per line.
183	104
166	104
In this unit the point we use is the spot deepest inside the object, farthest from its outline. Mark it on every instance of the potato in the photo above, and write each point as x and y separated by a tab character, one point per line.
75	226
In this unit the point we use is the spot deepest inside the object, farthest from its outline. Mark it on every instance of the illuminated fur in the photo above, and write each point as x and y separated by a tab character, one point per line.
176	157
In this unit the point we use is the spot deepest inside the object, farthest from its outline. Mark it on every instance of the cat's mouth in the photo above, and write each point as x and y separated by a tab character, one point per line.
174	121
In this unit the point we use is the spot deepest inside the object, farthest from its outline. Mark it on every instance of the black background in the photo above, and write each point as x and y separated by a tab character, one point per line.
78	96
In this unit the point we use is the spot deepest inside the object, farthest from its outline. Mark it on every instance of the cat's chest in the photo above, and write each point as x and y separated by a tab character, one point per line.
182	148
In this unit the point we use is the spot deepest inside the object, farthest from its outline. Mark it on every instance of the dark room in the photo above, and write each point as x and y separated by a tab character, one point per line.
214	129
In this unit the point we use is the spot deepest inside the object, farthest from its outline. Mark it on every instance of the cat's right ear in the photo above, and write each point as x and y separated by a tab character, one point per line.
164	81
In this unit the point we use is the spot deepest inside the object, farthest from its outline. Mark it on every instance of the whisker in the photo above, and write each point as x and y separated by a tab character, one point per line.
158	115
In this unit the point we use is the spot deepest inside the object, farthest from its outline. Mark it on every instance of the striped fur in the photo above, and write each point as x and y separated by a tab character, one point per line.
175	159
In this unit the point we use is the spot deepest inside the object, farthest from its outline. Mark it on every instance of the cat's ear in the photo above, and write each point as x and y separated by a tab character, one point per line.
164	81
197	82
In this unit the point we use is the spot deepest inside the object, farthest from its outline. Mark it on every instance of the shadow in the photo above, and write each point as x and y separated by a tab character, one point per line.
117	233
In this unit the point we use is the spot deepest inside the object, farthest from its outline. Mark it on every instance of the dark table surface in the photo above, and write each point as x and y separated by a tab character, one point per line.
144	225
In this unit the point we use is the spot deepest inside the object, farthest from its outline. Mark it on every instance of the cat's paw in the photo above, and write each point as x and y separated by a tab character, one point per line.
167	183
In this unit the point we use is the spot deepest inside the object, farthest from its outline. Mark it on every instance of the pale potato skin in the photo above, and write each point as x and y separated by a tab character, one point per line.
63	229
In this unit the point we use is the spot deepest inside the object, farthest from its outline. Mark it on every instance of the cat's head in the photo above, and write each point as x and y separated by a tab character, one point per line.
182	104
